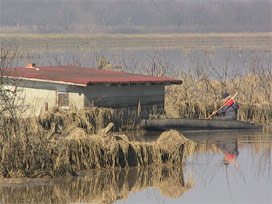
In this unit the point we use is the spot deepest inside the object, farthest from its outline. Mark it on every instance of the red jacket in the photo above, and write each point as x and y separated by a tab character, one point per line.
229	111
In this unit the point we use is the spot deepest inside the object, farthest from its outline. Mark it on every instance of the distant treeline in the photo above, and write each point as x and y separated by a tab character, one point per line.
47	16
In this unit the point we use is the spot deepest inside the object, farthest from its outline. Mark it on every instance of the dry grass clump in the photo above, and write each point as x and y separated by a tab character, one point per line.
93	119
33	156
90	120
103	186
55	122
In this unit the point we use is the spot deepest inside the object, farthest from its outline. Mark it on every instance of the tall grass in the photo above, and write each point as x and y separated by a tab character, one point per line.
59	144
197	98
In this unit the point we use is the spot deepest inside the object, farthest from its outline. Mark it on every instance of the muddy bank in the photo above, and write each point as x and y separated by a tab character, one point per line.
33	156
98	186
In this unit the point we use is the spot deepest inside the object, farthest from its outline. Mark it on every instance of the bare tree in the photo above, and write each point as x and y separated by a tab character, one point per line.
11	95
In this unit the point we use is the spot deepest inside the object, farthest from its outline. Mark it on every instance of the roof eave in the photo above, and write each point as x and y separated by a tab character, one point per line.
46	81
178	82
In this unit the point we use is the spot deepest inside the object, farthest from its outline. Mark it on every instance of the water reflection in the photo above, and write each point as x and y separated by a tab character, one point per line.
101	186
235	165
229	149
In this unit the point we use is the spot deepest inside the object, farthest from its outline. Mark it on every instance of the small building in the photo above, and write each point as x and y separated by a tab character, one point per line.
72	87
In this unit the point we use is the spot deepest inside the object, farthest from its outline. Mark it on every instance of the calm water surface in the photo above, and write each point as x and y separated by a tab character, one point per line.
226	167
171	61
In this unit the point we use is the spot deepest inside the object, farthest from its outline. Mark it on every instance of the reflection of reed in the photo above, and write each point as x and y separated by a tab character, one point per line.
100	186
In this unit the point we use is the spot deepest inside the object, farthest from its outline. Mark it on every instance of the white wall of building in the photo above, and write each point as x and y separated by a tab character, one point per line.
38	95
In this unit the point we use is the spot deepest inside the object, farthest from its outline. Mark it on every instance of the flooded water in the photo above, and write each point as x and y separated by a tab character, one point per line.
226	167
151	61
230	167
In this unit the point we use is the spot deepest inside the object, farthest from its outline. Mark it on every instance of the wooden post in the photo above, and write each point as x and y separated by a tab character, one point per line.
139	109
46	106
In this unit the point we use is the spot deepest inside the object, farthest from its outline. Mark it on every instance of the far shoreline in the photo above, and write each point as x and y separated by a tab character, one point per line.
202	41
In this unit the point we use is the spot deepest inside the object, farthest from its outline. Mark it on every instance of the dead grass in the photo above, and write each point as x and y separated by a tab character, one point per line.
197	98
57	144
56	122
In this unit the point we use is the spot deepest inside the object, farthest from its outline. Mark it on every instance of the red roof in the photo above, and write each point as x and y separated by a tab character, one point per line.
84	76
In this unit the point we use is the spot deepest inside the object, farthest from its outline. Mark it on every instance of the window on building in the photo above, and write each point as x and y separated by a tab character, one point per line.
63	99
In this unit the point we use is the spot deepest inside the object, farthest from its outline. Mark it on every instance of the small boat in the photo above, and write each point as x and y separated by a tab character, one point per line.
196	124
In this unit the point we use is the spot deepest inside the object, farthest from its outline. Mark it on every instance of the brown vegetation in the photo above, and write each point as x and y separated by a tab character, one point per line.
33	151
197	98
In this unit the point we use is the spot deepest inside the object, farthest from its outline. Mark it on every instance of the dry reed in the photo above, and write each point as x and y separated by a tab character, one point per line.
198	97
58	144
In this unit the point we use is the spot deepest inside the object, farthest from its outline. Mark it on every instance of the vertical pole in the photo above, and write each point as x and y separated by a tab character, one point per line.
46	106
139	109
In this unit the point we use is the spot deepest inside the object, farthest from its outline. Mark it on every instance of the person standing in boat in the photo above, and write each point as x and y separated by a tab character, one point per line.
230	109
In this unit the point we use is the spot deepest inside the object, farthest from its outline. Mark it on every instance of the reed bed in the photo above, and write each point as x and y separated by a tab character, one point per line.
198	97
59	144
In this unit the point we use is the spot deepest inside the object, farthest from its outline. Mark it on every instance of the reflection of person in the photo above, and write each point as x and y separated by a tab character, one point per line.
229	149
229	111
